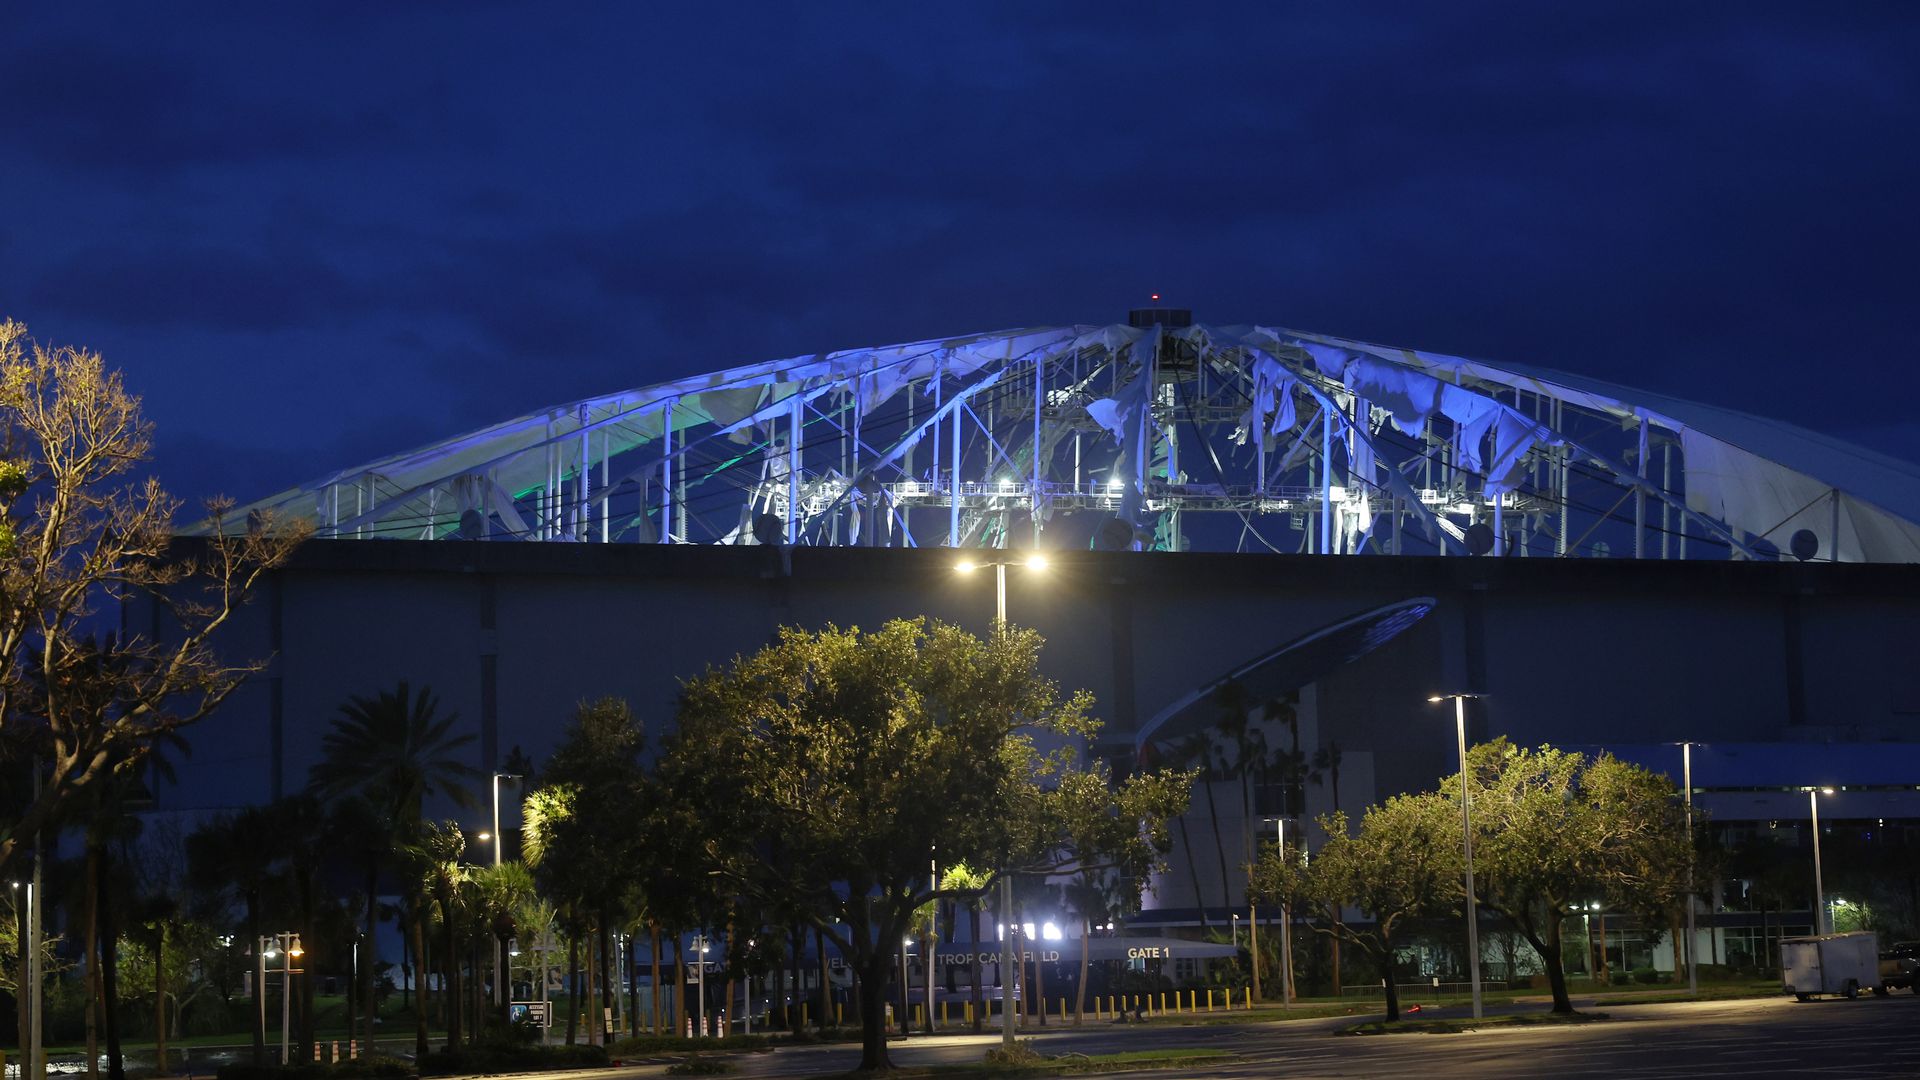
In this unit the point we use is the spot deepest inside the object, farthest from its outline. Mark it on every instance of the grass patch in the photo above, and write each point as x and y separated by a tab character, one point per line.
1715	993
1454	1026
1024	1060
644	1045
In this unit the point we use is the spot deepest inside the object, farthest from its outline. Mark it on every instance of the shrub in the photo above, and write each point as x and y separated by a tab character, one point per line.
1021	1055
465	1061
1646	975
809	1036
373	1067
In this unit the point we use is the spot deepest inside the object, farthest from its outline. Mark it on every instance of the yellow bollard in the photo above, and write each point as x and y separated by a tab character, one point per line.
839	1015
1163	1003
967	1010
1063	1010
803	1016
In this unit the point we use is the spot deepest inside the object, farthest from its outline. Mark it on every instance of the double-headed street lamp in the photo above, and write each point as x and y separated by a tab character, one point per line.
286	946
1466	839
1036	562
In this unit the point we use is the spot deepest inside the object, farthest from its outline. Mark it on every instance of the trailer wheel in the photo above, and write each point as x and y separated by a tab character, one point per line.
1803	997
1880	991
1852	991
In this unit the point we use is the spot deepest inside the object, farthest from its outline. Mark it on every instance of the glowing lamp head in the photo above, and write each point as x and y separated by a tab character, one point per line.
1155	297
483	836
966	566
1826	791
295	950
1036	562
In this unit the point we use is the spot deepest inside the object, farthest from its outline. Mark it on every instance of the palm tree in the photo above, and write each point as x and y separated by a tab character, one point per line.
395	751
955	878
1199	750
443	882
233	860
505	891
1326	763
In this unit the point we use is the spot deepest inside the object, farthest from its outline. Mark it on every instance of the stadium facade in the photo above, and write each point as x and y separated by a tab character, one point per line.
1341	528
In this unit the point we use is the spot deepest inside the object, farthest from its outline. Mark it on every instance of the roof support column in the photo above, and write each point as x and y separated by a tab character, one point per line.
666	471
1566	459
583	517
953	480
1326	479
1039	401
1666	509
1640	497
794	423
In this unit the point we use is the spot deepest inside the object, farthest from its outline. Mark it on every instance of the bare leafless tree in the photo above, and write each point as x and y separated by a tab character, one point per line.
79	531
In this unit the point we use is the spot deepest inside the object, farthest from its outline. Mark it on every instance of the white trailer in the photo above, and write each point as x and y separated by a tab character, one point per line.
1843	964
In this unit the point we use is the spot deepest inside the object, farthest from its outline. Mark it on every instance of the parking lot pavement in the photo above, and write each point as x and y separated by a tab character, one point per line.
1871	1037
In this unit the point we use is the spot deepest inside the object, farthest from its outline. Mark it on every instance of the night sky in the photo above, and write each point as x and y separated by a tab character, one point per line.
312	236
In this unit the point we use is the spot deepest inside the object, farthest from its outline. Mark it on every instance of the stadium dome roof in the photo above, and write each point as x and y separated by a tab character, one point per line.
1159	433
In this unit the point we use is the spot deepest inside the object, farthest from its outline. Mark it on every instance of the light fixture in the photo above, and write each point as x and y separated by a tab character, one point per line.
1036	562
966	566
483	836
295	950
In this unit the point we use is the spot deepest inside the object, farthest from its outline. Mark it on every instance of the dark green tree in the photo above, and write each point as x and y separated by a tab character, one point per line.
394	751
1400	866
866	753
1553	828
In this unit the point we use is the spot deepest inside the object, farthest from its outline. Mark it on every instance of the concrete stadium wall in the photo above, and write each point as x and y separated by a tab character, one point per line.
510	636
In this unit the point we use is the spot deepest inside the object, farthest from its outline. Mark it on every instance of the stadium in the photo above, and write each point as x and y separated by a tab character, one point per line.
1340	529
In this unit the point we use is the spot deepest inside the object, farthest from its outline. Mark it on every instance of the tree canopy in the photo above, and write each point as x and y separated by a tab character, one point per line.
1402	864
78	532
1555	829
863	756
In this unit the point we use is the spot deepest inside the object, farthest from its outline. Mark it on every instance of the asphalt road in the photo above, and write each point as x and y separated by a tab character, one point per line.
1771	1037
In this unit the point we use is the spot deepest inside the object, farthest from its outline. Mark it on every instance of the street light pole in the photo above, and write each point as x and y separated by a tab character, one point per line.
699	992
260	946
1466	842
1821	924
1286	926
1693	944
1007	978
499	994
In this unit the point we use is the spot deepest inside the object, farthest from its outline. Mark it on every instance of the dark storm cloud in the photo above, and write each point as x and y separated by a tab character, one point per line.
480	210
88	104
201	287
